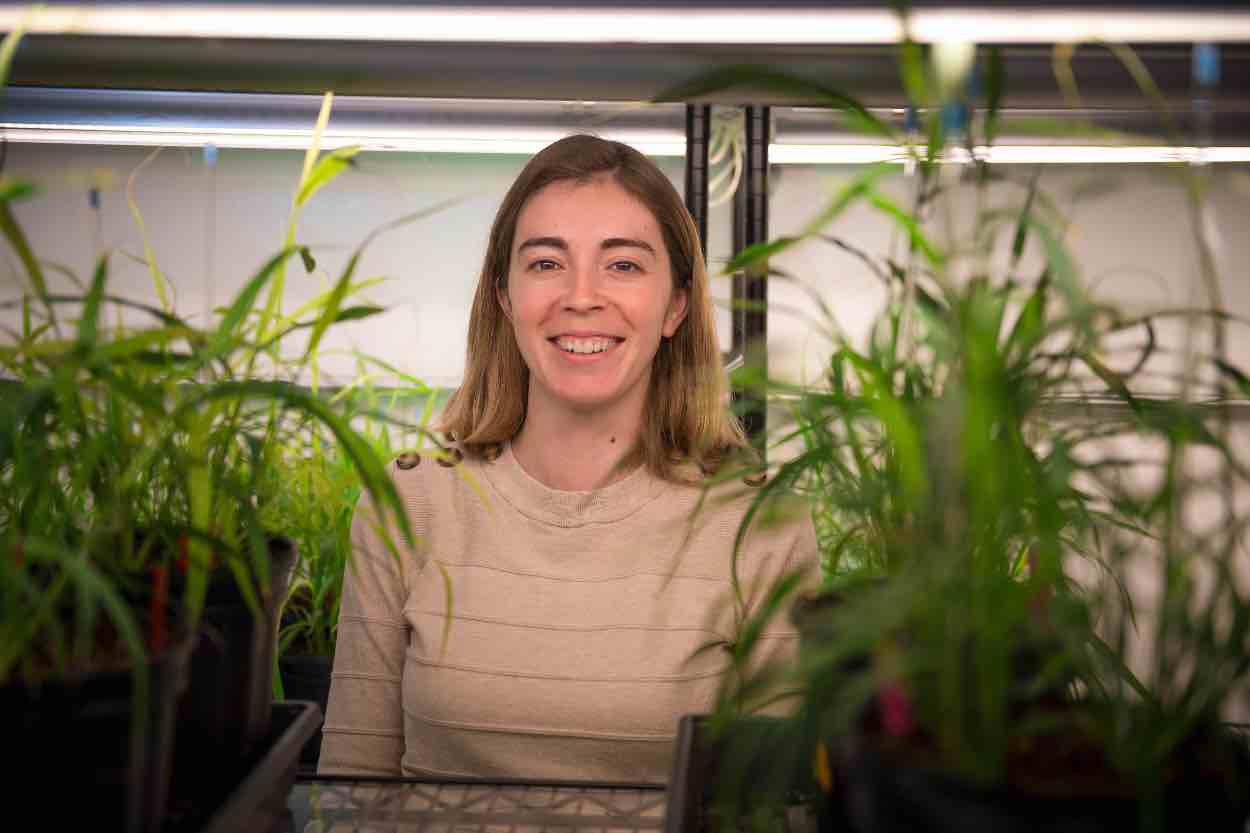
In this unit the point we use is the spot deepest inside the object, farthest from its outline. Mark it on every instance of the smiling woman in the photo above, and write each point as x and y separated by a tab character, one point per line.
593	235
579	512
591	296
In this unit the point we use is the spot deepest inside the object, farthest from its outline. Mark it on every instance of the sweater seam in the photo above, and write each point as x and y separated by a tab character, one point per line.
333	728
364	676
534	675
505	729
373	620
411	771
570	628
480	565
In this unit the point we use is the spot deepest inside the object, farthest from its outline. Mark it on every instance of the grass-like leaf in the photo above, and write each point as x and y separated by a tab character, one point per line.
323	173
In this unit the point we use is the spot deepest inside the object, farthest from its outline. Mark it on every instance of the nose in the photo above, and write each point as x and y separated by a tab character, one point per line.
581	293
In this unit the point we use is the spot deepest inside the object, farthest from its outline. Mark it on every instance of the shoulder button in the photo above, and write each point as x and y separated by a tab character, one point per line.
756	479
454	456
408	460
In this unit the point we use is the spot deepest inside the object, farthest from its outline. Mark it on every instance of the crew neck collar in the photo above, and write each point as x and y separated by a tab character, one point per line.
534	499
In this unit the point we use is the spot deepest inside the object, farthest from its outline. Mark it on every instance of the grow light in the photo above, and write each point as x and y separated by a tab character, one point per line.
274	139
797	154
650	142
693	26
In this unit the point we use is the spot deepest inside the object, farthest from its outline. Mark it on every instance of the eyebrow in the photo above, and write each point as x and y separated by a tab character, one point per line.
609	243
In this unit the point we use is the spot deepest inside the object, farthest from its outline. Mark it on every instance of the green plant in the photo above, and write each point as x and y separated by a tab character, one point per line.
315	507
967	455
137	460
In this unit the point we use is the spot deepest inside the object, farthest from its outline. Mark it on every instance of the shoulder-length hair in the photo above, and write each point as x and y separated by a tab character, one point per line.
686	418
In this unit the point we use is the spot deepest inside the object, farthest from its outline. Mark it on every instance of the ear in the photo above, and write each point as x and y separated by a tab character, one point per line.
505	303
678	305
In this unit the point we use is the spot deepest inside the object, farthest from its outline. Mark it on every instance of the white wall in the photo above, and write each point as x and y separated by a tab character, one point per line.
1131	236
211	231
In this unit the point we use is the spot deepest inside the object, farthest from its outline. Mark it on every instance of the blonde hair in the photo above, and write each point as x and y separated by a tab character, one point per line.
686	419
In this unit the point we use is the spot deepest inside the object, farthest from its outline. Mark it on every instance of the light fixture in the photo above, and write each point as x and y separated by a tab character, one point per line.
519	142
796	154
686	26
651	142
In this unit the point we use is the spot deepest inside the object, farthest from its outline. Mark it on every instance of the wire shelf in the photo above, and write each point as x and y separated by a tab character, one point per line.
341	805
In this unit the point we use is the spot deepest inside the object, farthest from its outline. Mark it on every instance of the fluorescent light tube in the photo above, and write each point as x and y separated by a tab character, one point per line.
795	154
523	142
651	143
693	26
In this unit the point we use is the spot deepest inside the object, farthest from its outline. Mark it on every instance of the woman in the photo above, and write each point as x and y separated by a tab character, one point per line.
587	563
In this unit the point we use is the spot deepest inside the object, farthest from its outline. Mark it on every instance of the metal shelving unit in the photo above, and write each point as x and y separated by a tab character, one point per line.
431	806
430	70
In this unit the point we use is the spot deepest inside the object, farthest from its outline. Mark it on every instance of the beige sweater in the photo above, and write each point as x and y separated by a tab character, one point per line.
576	619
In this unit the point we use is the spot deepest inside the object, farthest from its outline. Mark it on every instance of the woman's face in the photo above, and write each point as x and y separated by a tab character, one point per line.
590	293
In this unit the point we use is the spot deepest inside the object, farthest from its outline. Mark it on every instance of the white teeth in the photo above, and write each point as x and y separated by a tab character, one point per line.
584	345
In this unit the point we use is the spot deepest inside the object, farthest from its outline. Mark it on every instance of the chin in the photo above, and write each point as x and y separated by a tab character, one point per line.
587	403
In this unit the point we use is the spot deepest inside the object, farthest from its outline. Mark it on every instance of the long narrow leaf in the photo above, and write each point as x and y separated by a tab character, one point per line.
149	254
742	76
89	323
324	172
21	246
331	312
244	302
8	48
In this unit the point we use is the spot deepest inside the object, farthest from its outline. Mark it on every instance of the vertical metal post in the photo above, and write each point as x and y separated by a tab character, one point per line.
698	134
737	293
751	289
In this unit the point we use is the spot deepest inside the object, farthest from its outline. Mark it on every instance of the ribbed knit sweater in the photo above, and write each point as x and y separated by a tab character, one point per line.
575	628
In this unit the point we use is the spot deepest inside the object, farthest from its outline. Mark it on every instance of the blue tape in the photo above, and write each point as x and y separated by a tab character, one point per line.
955	117
1206	64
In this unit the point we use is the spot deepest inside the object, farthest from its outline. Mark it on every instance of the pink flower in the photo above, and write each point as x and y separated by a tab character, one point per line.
896	711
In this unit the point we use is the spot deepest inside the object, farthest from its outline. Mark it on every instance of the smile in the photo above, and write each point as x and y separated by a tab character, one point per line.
586	346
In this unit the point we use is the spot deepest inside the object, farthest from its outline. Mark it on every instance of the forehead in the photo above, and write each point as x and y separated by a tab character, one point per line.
599	208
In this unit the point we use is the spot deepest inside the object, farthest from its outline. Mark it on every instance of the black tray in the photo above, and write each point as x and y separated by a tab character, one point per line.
693	782
257	804
687	786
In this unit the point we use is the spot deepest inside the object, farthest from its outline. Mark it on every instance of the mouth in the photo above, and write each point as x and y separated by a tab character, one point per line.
585	345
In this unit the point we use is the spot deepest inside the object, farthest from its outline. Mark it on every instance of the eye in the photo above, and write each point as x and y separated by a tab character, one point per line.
626	266
544	265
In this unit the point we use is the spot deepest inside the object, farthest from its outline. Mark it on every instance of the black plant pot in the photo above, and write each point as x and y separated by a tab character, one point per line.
887	793
252	796
718	782
811	613
77	758
307	677
226	710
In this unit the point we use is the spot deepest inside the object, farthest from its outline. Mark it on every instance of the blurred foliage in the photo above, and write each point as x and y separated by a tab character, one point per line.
968	462
141	454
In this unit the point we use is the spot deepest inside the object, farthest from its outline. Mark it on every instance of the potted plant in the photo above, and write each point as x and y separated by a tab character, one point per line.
93	657
969	461
138	462
314	509
323	498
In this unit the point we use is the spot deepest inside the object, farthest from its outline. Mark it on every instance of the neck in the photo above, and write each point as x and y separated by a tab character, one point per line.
576	452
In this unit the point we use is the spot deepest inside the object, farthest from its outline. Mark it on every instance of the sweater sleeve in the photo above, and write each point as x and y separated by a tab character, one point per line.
364	727
785	545
796	551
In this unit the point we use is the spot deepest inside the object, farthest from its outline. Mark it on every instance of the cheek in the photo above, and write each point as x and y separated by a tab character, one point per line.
528	312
